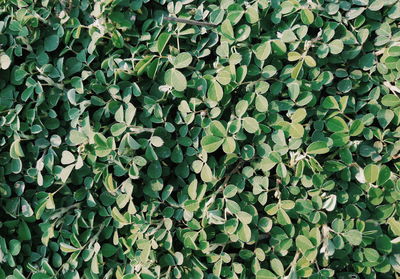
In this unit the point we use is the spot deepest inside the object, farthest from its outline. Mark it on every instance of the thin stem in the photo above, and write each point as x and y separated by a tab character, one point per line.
348	118
293	263
191	22
58	189
273	189
221	188
177	42
95	237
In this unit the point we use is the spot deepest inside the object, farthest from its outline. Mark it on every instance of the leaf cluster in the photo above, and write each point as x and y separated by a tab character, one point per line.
199	139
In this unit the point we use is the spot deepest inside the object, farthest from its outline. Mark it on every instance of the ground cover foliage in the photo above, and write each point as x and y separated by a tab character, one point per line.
258	140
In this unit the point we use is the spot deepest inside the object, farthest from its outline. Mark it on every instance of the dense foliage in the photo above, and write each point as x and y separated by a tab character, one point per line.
256	140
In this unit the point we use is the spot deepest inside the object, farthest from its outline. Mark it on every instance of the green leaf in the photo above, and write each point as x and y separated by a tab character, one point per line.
296	69
230	191
109	183
235	13
371	173
337	124
330	203
294	56
217	129
67	157
77	137
154	170
206	173
310	62
251	14
5	61
224	77
66	172
162	42
384	175
330	103
288	36
244	217
394	51
182	60
263	50
118	129
376	5
394	226
41	275
20	74
265	274
68	248
277	267
77	83
51	43
354	237
117	39
268	71
16	150
189	243
26	208
244	232
307	16
318	147
299	115
371	255
384	244
390	100
176	79
119	217
385	116
296	130
229	145
261	103
15	247
156	141
191	205
227	30
142	66
215	92
303	244
283	218
217	268
211	143
108	250
336	46
356	128
250	125
241	108
17	274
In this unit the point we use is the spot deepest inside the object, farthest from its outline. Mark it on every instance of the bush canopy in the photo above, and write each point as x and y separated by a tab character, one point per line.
199	139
